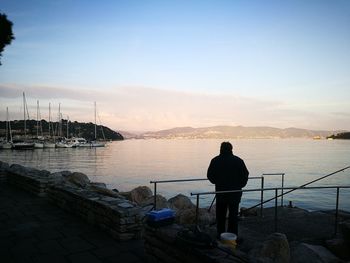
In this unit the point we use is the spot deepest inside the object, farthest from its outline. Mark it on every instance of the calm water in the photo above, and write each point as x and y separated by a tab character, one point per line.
127	164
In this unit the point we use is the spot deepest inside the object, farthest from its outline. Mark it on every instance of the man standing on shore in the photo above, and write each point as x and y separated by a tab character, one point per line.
227	172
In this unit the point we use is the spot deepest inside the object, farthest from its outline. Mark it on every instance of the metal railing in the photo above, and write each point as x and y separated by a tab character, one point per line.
282	182
301	186
262	178
276	198
198	179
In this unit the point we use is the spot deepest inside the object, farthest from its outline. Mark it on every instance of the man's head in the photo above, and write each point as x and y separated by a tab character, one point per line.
225	148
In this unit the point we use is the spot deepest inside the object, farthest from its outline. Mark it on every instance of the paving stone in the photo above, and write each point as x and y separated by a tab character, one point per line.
52	258
75	244
126	257
106	252
52	247
99	239
48	234
85	257
33	230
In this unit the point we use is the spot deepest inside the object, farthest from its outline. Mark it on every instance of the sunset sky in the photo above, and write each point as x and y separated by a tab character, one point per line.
154	65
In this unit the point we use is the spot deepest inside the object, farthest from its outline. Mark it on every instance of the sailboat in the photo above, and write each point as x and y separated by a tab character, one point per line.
24	144
7	144
96	143
39	143
62	143
49	143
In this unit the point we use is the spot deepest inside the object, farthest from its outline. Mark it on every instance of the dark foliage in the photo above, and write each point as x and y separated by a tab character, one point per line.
343	135
6	34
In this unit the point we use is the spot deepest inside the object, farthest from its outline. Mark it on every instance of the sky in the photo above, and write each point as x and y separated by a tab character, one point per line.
152	65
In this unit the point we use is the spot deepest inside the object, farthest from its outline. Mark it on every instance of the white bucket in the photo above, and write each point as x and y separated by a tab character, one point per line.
229	239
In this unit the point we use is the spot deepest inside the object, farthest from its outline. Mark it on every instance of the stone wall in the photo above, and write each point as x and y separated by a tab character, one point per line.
74	193
118	216
3	172
31	180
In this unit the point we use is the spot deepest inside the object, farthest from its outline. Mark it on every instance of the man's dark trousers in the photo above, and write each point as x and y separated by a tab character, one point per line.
230	203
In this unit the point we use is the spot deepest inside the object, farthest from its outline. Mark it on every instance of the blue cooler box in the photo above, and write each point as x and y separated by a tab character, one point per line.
161	217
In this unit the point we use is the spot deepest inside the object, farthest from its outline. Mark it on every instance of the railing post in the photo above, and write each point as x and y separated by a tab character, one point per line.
262	196
276	194
155	195
336	213
282	189
197	208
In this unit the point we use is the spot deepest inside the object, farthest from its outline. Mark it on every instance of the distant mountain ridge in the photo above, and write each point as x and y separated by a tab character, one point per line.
235	132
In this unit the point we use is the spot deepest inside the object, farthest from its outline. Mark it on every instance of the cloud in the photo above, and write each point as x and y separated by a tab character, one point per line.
143	108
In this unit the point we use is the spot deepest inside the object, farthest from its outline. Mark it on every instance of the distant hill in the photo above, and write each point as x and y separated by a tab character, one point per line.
222	132
75	129
342	135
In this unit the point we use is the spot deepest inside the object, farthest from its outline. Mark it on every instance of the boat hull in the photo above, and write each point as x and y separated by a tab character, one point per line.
23	146
6	145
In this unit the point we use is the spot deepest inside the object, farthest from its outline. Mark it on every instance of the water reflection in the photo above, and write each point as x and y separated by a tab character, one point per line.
127	164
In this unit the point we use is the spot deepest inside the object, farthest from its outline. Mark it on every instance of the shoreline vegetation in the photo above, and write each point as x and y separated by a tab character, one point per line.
75	129
343	136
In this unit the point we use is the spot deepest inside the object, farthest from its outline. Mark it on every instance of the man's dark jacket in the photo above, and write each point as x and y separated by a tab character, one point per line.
228	172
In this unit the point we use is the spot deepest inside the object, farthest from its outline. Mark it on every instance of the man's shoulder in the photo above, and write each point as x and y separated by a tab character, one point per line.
215	158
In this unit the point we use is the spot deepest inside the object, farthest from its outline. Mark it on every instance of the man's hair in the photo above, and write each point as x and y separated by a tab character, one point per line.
225	147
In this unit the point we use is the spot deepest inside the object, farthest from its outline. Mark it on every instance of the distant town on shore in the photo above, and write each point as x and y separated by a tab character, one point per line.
237	132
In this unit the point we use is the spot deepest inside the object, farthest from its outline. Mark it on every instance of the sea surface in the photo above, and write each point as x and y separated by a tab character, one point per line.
127	164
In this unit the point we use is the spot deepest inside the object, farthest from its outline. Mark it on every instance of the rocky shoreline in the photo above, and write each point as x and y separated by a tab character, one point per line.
302	236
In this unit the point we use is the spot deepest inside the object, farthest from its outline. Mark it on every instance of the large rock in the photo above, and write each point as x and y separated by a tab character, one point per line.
345	230
78	179
28	171
188	217
180	202
140	194
161	202
274	249
102	189
249	212
57	177
4	166
302	253
339	248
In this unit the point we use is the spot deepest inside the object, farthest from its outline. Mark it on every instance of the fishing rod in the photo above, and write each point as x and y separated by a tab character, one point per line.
292	190
313	181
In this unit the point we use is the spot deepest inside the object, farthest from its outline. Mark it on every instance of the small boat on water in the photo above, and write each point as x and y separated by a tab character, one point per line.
38	145
48	144
23	145
98	144
5	145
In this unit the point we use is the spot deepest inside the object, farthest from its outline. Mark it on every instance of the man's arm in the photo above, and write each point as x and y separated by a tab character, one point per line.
211	173
245	174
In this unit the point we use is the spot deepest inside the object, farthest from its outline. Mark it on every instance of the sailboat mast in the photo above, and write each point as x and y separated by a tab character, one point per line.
7	123
24	115
59	121
49	119
67	126
95	121
37	119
